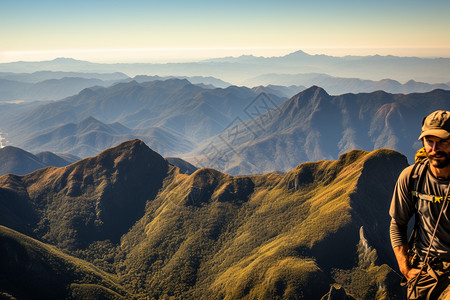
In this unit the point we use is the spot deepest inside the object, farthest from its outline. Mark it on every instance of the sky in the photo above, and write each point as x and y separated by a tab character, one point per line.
176	30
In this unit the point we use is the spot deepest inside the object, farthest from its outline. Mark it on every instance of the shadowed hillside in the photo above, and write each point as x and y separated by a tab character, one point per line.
32	270
314	125
17	161
210	235
94	199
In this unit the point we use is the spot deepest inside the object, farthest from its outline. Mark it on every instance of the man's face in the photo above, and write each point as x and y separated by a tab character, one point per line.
438	151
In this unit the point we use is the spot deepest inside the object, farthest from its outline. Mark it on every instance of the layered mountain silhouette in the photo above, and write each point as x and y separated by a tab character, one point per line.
209	82
339	85
86	138
90	136
172	116
23	86
47	85
314	126
236	130
51	89
40	76
208	235
17	161
238	69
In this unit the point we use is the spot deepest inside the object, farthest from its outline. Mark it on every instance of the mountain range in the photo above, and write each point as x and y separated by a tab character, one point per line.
52	89
90	136
313	126
63	77
126	224
171	115
340	85
236	130
279	191
238	69
41	86
47	85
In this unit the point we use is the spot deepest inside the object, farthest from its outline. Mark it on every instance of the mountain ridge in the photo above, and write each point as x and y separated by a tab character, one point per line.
236	70
184	112
314	125
17	161
76	183
210	233
341	85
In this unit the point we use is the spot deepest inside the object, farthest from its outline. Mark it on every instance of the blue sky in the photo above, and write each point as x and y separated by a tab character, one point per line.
187	30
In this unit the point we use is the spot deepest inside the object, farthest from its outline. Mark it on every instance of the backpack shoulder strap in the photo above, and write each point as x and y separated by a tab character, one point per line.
416	179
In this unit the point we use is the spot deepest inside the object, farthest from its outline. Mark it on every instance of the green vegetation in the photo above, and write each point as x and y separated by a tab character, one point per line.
210	235
33	270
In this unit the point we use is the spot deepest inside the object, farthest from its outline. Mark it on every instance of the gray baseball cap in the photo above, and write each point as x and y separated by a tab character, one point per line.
436	124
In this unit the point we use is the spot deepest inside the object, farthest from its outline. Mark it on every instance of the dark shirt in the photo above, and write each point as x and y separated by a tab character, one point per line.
403	207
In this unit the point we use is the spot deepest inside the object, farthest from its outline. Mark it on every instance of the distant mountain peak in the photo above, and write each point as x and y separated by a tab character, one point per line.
129	147
130	173
298	53
317	90
68	60
15	150
64	59
313	92
18	161
90	119
134	153
87	92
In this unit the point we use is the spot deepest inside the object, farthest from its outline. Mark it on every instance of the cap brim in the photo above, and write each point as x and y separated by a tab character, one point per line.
440	133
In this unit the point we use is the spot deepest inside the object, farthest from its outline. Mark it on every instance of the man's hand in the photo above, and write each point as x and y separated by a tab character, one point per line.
411	273
401	254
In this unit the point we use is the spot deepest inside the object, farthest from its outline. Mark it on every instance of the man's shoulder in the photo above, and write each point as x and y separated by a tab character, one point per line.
414	170
406	173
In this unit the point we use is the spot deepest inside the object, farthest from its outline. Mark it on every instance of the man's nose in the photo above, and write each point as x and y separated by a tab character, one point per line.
434	146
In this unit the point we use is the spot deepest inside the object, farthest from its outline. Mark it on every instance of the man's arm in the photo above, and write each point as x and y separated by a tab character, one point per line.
401	254
400	246
401	210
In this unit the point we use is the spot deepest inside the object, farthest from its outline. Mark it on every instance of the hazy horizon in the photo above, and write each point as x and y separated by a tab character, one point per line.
180	55
178	31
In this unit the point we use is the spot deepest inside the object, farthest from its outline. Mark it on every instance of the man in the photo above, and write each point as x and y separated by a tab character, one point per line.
421	190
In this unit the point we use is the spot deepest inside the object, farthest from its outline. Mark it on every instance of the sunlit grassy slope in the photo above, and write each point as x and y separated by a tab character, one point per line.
269	236
207	235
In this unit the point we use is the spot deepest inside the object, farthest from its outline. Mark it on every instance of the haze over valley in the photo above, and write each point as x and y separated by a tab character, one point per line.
212	123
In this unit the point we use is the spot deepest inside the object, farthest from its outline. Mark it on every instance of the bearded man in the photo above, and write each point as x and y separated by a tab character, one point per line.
422	191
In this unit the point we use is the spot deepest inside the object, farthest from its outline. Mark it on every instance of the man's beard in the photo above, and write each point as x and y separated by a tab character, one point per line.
440	163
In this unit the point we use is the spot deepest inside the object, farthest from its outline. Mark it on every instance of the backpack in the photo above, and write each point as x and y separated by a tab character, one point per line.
416	179
417	175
